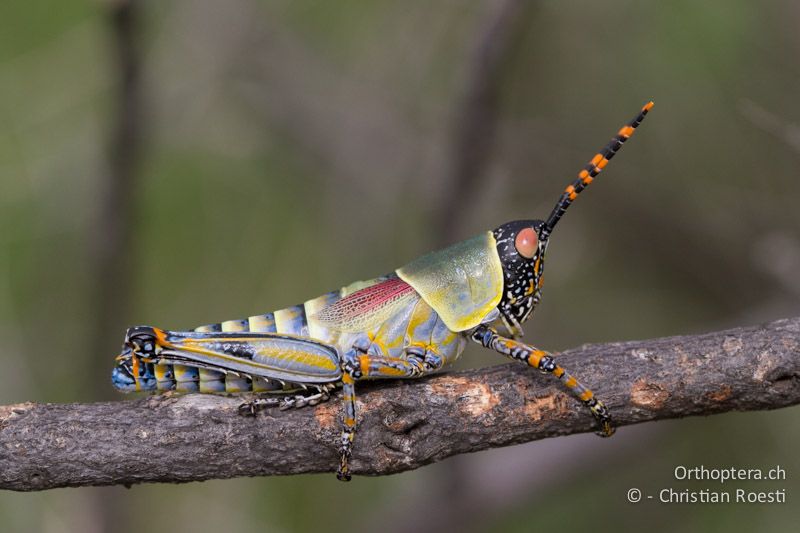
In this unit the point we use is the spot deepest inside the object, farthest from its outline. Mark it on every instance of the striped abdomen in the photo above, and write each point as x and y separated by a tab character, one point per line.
291	321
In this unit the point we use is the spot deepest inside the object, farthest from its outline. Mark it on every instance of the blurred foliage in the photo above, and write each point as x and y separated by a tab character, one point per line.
293	147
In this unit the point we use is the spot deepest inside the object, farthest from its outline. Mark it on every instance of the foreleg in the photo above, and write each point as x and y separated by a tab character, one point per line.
544	361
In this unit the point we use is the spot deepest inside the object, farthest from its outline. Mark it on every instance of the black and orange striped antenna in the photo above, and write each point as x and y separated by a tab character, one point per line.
591	170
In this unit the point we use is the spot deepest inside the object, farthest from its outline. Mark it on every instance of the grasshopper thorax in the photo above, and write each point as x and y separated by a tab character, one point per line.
521	245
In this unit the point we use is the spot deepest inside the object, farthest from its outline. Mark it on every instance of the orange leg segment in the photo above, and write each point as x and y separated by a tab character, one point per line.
544	361
359	366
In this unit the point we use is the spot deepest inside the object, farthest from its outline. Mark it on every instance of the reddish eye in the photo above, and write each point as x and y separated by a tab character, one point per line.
526	243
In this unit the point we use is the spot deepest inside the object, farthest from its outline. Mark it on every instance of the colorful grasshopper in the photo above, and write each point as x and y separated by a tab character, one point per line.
403	325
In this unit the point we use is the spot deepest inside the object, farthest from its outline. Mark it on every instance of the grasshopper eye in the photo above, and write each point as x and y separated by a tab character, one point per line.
526	243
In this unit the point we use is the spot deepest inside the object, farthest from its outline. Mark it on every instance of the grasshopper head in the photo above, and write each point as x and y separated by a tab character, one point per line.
521	245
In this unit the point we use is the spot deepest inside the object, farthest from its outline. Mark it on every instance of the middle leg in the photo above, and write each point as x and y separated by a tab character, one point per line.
358	366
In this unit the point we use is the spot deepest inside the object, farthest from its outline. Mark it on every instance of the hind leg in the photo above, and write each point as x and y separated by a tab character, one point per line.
250	408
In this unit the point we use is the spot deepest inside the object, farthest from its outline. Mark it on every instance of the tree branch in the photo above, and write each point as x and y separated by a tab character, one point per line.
404	425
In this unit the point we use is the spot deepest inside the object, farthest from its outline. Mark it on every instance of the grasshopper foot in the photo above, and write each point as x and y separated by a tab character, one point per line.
606	429
259	404
343	473
600	412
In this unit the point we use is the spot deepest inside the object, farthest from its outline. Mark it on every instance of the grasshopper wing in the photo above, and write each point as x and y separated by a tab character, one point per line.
367	307
269	355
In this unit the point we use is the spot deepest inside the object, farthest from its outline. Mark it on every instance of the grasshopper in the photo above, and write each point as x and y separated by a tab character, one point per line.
406	324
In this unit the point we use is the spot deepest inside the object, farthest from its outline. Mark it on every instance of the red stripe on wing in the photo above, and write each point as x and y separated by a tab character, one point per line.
365	301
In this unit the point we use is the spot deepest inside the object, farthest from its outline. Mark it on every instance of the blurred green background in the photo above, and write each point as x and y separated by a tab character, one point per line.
263	153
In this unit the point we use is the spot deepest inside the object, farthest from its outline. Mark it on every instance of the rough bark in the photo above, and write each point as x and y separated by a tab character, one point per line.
404	425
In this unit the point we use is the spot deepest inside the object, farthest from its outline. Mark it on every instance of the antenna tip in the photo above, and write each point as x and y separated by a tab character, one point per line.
648	106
